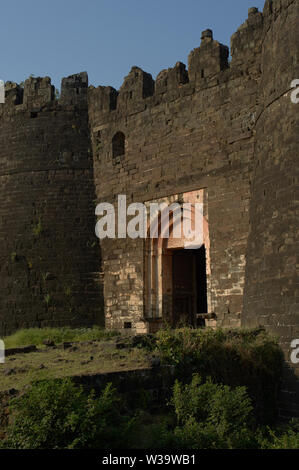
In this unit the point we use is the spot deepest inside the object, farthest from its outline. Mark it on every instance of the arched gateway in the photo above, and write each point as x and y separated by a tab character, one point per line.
177	267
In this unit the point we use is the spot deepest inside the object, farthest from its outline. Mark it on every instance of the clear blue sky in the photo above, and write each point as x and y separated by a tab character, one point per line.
106	37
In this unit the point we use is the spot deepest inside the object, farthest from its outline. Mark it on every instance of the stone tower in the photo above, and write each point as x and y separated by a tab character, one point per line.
49	255
271	290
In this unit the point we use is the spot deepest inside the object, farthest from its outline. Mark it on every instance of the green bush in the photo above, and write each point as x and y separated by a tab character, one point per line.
235	358
211	416
58	414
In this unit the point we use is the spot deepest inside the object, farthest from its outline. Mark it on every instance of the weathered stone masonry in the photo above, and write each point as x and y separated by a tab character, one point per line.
224	131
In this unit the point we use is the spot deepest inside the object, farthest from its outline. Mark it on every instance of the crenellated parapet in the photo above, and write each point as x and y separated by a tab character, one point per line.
139	91
32	109
37	94
208	65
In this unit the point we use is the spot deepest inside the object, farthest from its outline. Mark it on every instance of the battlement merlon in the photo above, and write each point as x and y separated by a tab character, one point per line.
13	94
102	99
209	59
38	91
171	78
136	86
74	89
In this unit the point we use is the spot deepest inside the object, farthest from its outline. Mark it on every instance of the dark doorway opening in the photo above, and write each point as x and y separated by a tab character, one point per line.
189	279
201	280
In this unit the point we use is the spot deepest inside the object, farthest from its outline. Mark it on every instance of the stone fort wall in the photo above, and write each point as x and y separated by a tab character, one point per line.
226	129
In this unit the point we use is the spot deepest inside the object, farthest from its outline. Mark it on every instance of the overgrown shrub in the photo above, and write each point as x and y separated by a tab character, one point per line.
211	416
58	414
235	358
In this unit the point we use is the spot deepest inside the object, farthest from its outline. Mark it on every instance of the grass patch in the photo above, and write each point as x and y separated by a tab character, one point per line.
83	359
37	336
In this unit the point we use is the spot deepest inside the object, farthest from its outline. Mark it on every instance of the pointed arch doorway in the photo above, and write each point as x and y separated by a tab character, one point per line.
177	274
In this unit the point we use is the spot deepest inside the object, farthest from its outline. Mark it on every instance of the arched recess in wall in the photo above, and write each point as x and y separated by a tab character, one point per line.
118	145
159	259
